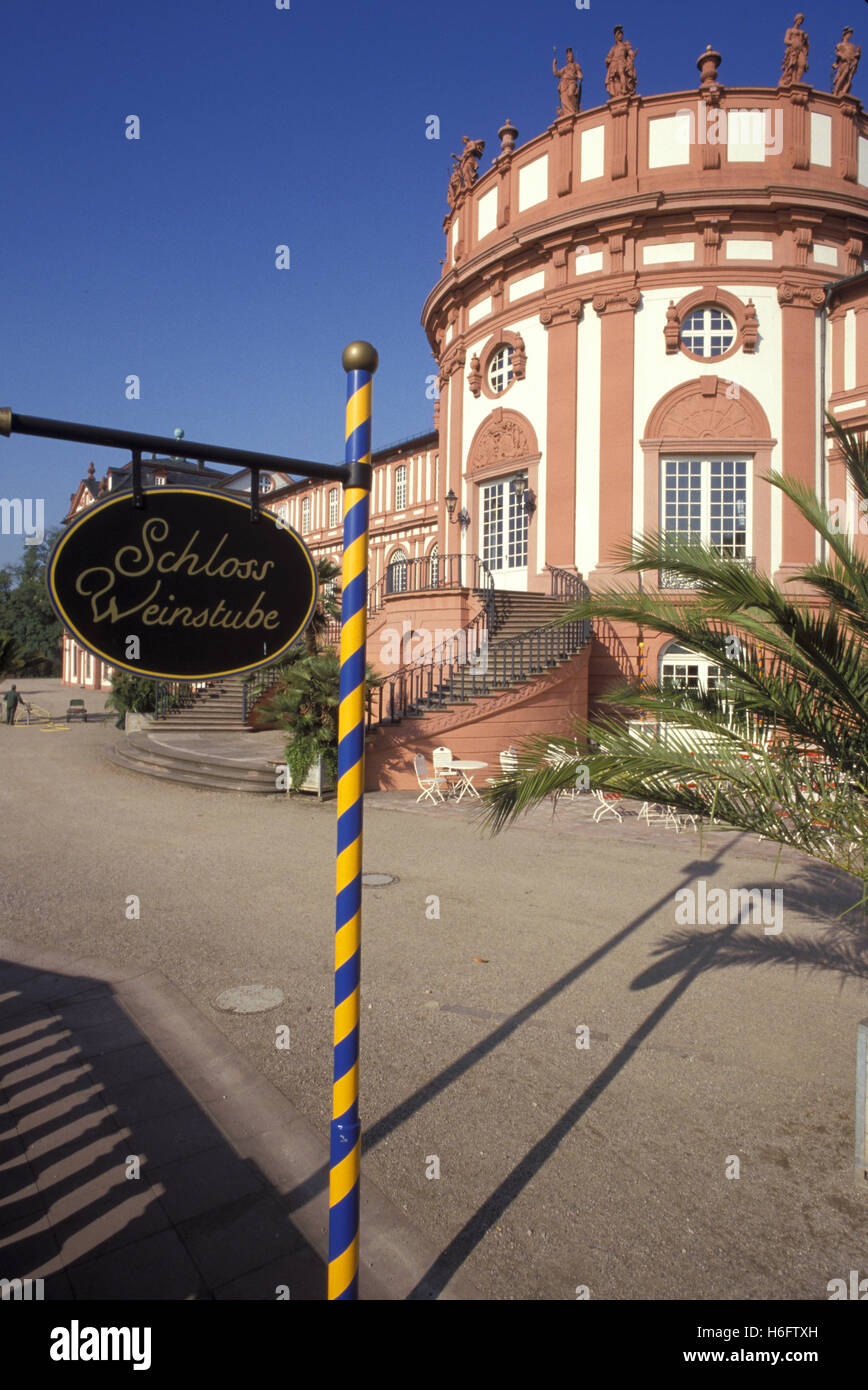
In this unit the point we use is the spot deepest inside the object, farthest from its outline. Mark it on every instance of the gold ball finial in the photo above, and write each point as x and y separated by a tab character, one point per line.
360	357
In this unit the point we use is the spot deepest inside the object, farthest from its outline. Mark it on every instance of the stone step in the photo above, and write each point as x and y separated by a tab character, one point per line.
138	753
204	779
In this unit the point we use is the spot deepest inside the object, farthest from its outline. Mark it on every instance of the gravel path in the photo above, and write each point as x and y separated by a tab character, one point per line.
559	1166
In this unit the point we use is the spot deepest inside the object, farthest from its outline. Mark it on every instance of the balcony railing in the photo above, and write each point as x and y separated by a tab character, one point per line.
427	573
670	579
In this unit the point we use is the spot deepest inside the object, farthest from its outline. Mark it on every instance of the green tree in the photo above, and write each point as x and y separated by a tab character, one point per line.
9	655
305	701
131	695
26	613
780	747
327	609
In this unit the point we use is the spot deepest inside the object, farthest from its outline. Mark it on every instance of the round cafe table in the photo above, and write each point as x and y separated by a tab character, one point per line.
466	768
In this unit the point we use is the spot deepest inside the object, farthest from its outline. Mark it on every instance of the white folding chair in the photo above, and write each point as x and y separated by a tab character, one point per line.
555	757
428	785
508	765
442	759
607	806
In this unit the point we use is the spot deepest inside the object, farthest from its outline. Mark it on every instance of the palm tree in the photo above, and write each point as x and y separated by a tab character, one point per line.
327	609
305	702
780	746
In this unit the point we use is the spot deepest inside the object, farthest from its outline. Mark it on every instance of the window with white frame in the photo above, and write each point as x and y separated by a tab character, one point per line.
305	515
434	564
683	669
400	487
706	499
334	507
708	332
504	527
266	482
500	369
396	574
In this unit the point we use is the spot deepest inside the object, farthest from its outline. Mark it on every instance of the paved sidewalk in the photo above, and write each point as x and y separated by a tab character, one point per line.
101	1066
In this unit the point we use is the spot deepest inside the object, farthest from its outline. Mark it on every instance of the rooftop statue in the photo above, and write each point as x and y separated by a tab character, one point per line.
621	66
847	57
464	169
569	84
470	158
454	182
796	46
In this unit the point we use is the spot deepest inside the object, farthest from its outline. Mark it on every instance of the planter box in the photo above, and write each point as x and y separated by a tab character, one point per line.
317	780
133	723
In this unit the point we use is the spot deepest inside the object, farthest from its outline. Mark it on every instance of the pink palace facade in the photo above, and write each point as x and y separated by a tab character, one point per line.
642	310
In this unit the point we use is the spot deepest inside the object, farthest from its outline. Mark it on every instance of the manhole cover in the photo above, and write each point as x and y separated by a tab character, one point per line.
249	999
378	880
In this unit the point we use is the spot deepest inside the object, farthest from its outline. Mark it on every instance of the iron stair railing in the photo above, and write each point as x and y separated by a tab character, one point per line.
477	669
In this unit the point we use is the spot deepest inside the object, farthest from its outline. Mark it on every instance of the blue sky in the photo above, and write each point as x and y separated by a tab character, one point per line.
262	127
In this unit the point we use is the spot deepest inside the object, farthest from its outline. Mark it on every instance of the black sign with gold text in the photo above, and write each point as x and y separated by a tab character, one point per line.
184	588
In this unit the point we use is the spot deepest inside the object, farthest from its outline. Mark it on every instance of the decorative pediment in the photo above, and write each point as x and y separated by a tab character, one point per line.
711	407
504	437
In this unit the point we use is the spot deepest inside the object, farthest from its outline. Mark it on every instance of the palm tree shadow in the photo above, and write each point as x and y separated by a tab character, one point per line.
817	892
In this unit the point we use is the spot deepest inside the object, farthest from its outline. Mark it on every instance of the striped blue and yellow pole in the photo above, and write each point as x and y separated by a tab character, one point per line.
360	362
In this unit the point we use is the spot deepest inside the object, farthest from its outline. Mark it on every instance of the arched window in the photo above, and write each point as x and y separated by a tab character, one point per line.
683	669
434	567
266	483
396	574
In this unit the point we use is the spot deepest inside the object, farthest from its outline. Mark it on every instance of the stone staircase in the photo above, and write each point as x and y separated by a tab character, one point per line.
219	708
203	759
523	644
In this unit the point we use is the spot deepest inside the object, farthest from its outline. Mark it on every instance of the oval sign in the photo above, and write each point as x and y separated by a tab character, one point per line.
184	588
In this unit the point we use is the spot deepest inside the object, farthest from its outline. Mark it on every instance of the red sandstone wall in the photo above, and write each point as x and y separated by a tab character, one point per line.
482	729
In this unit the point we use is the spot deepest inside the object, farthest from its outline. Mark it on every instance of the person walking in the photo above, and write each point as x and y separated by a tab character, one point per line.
13	700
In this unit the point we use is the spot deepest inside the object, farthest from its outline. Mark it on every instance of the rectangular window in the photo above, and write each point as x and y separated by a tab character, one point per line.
504	546
334	513
400	488
305	515
707	499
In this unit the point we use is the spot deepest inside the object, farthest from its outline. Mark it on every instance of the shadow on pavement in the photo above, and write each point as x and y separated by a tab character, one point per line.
115	1183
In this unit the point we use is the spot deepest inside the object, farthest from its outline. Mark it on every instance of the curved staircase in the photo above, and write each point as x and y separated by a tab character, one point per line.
525	640
219	708
199	758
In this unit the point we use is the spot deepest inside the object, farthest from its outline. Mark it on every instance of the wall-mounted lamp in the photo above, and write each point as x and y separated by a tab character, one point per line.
463	518
521	490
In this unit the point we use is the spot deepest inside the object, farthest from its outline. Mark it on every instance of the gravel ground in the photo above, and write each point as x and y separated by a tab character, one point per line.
559	1166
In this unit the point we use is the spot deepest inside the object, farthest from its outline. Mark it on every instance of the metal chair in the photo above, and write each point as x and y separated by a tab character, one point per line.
428	785
508	765
607	805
